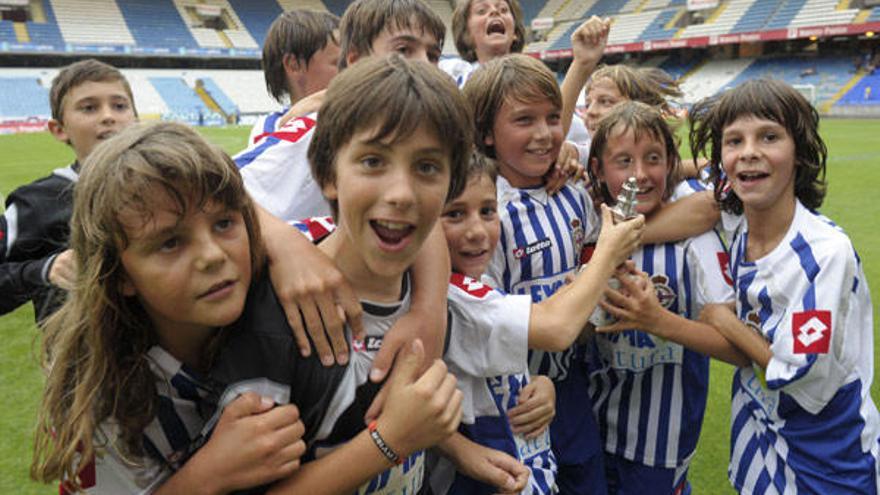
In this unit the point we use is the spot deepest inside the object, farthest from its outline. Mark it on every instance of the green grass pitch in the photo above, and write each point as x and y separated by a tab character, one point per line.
853	176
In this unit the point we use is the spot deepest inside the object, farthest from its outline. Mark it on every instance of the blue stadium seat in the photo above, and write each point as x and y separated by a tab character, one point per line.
861	95
183	102
45	33
226	103
657	30
755	17
605	7
827	74
156	24
23	97
874	16
257	16
785	14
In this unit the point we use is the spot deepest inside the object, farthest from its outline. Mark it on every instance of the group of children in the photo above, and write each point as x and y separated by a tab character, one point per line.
220	332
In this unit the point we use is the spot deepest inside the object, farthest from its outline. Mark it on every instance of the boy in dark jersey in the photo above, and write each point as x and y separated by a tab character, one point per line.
390	148
90	101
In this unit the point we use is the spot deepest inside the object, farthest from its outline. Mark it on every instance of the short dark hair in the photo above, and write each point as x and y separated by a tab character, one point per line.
88	70
299	33
511	77
464	43
641	119
364	20
395	96
768	99
479	165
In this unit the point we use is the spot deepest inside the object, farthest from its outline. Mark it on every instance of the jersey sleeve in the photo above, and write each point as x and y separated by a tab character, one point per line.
494	274
810	342
21	273
708	278
277	175
112	472
490	330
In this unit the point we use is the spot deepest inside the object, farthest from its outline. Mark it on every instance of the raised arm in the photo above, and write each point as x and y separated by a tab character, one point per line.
753	347
588	45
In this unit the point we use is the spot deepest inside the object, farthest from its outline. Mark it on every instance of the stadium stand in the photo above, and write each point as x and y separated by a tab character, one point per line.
257	16
712	77
217	95
92	22
183	102
23	97
755	17
226	32
874	16
731	13
156	24
826	74
865	92
822	12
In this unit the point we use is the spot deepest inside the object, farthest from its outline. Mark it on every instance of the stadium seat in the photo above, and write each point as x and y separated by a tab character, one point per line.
92	22
257	16
156	24
23	97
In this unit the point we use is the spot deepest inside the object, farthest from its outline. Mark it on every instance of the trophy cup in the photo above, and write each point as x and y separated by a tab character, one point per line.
624	209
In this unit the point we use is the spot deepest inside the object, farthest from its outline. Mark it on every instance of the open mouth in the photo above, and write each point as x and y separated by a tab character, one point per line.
392	234
542	152
496	27
748	177
473	254
106	135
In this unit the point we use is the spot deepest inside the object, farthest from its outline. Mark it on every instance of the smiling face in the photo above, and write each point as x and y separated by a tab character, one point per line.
92	112
472	227
644	158
602	97
389	196
526	137
190	272
491	27
758	156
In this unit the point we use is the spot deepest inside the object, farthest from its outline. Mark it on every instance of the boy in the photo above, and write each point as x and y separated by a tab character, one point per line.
517	106
275	169
300	57
90	102
378	158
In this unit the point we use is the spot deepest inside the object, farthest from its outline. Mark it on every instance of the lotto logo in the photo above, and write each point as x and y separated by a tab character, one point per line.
519	252
469	285
811	331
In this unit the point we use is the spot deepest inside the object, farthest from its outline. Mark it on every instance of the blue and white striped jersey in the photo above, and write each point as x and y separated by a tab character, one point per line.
649	394
808	425
265	124
487	352
277	174
541	239
176	432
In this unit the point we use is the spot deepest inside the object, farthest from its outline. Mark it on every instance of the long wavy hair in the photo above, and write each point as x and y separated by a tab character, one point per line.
95	347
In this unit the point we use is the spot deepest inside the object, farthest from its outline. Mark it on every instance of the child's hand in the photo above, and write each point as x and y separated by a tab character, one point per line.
588	41
620	239
420	411
491	467
62	273
535	409
303	107
253	444
635	305
566	168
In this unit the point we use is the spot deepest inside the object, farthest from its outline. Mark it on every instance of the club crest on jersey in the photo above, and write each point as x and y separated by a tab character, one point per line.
724	264
576	229
521	252
665	294
294	130
811	331
370	344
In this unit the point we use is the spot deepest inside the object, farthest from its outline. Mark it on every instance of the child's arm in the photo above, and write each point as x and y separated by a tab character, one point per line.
588	44
535	407
253	444
687	217
421	411
490	466
556	322
641	309
752	347
311	290
426	319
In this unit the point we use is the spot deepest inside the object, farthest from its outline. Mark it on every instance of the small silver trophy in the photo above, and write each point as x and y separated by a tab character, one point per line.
624	209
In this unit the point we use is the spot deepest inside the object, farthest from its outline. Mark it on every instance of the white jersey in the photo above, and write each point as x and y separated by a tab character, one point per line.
277	175
458	68
649	394
809	424
265	125
541	240
729	222
170	439
487	352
